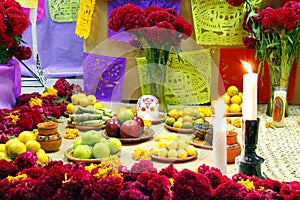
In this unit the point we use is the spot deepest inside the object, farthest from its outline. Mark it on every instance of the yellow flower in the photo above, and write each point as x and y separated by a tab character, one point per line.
50	91
90	167
66	179
18	177
71	133
171	181
111	161
14	118
35	102
141	154
106	172
147	123
248	184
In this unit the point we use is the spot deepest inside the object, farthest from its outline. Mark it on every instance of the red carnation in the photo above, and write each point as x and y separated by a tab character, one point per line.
133	21
150	9
117	16
183	26
249	41
22	52
17	21
287	17
159	16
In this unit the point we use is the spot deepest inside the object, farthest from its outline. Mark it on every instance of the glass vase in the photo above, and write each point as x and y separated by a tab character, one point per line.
156	74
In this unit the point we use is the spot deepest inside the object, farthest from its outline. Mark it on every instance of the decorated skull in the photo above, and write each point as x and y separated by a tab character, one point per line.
148	107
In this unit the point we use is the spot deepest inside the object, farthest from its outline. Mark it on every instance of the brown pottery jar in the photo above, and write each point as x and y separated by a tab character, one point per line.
48	136
233	147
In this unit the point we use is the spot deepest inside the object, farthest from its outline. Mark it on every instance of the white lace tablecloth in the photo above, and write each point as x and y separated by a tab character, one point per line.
280	147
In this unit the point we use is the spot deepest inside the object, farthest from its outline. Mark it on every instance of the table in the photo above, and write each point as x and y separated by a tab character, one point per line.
279	147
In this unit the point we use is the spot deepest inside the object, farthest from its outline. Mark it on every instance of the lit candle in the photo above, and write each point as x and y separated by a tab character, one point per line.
219	137
249	110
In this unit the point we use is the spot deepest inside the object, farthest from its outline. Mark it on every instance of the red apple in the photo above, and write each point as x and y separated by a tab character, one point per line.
130	129
112	127
140	121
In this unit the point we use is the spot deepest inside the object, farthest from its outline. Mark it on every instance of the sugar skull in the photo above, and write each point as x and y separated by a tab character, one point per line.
148	107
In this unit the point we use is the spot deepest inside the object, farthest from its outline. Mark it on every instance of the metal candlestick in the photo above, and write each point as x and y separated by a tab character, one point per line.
249	162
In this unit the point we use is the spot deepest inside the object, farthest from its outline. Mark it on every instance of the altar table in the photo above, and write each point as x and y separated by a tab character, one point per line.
279	147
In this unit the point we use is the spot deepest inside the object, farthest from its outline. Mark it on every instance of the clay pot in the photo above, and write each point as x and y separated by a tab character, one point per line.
231	137
49	137
233	150
47	128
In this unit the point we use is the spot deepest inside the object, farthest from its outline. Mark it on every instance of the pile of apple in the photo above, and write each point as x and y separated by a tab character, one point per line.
173	146
125	125
185	118
92	145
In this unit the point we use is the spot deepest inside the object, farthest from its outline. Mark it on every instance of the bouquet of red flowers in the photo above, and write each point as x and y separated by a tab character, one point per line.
274	32
13	22
157	30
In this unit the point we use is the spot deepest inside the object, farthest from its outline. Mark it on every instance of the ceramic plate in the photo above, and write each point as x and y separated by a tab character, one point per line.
85	128
179	130
162	117
148	133
231	114
201	144
69	155
174	160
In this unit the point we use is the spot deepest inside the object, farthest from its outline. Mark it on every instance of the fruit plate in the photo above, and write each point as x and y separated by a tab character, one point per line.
174	160
162	117
179	130
201	144
85	128
69	155
148	133
233	114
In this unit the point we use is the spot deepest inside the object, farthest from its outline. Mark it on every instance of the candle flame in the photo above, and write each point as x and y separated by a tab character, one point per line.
219	108
247	66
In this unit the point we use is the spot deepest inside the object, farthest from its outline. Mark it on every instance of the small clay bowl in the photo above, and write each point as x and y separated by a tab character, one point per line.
233	151
231	137
47	128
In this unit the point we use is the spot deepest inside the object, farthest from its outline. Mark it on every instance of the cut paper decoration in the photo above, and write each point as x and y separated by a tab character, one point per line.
231	73
217	23
40	12
84	18
104	77
175	4
28	3
188	80
63	10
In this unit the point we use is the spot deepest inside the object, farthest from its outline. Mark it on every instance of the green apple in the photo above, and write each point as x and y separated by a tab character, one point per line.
101	150
125	114
91	137
114	144
83	152
77	142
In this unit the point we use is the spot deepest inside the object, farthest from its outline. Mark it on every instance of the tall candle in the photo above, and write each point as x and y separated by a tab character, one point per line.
249	110
219	137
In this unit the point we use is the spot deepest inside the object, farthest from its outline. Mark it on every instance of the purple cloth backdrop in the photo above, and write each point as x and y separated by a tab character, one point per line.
175	4
10	84
104	76
60	50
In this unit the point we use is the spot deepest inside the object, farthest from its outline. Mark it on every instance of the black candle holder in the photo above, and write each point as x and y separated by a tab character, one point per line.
249	162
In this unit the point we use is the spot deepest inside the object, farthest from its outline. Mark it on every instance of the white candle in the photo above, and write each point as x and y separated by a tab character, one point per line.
219	137
249	110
